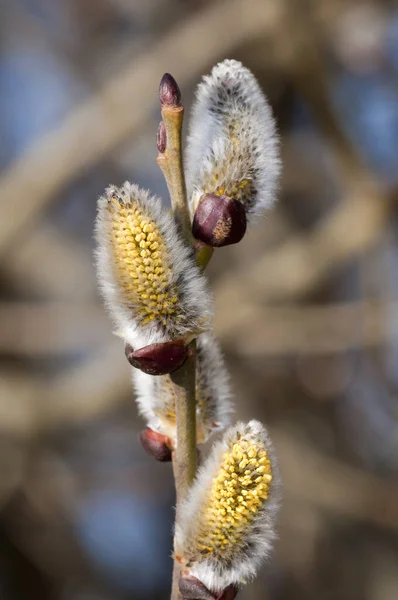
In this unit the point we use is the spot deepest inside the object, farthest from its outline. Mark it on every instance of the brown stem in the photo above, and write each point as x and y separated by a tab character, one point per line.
172	166
171	163
183	380
184	457
185	454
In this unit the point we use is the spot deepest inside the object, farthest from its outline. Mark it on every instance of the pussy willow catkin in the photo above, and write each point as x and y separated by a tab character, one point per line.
226	527
147	274
233	147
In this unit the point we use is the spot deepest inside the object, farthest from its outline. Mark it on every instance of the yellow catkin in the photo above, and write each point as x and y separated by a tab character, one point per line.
236	494
142	263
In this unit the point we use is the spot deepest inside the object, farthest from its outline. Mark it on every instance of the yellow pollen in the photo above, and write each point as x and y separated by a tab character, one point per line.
218	181
236	494
142	263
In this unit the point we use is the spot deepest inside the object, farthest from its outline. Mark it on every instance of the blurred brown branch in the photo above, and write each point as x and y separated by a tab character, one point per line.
120	108
311	329
304	260
54	329
345	489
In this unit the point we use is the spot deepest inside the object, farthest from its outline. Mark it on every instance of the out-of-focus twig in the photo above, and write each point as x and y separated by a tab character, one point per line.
103	122
314	330
357	221
49	329
303	261
54	329
344	490
32	266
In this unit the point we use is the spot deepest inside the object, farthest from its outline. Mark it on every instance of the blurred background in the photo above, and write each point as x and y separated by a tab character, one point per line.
307	307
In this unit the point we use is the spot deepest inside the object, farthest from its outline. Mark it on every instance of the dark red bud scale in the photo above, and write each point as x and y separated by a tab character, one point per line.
161	138
158	359
192	588
156	445
219	220
169	92
229	593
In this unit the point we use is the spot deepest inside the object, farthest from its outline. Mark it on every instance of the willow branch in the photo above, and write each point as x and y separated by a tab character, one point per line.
171	164
185	454
183	379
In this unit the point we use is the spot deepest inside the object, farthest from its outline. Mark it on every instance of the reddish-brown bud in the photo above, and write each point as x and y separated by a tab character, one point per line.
229	593
156	445
161	137
193	589
169	92
158	359
219	220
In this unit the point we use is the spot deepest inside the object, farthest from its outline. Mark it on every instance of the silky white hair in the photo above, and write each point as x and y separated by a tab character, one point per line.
155	397
195	301
214	572
231	97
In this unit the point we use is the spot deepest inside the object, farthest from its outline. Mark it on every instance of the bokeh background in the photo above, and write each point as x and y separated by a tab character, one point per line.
307	308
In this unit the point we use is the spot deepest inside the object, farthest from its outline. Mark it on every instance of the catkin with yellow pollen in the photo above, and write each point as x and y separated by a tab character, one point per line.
233	147
142	263
219	182
147	273
156	395
237	492
226	527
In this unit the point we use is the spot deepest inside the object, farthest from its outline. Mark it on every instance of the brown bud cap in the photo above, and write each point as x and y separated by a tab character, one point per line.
192	588
158	359
155	444
219	220
161	137
169	92
229	593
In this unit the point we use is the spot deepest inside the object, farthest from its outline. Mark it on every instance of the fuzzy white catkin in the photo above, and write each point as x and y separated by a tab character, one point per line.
156	401
146	273
212	514
233	147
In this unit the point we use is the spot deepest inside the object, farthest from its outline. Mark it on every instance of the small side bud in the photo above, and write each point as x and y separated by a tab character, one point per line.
158	359
193	589
219	220
161	138
156	445
169	92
